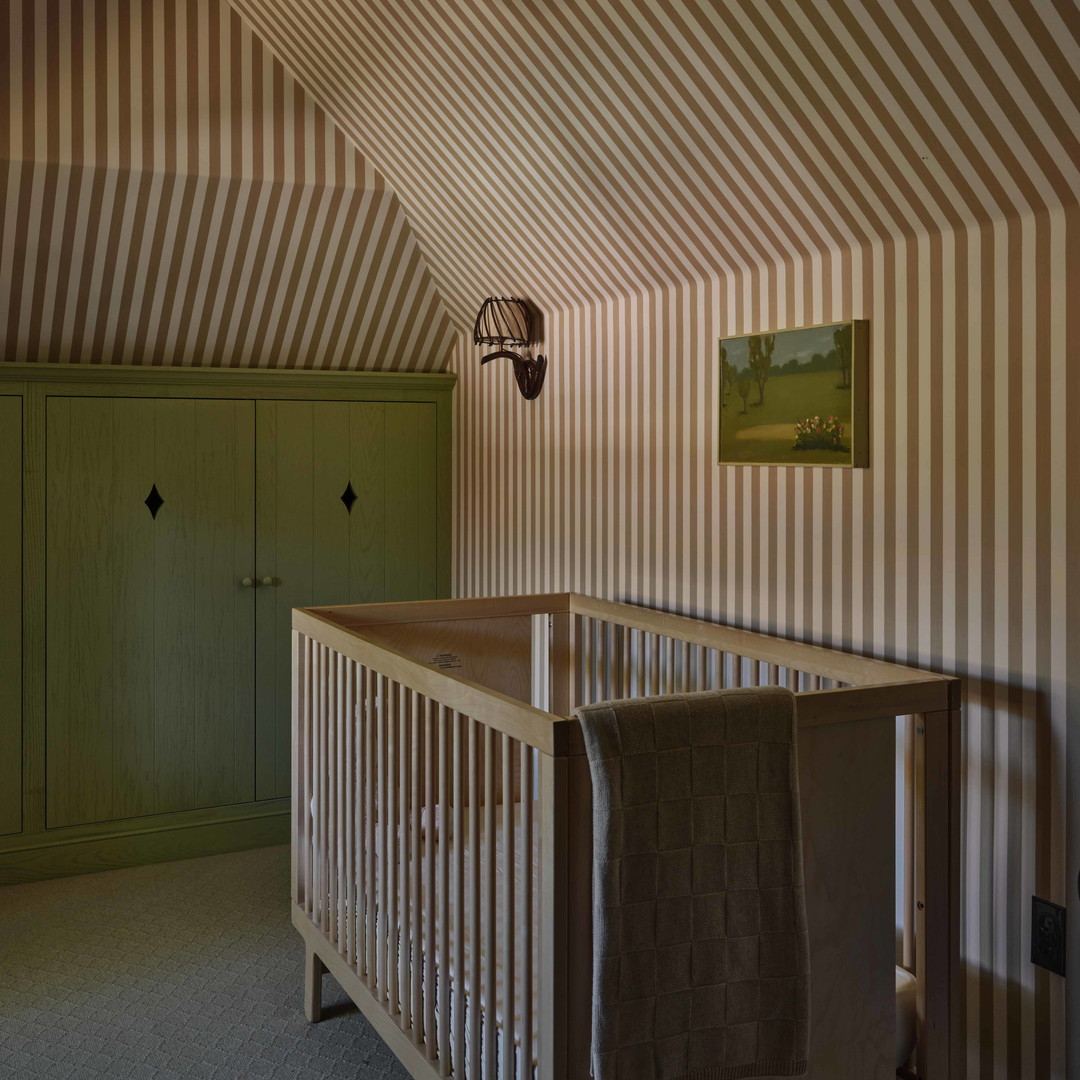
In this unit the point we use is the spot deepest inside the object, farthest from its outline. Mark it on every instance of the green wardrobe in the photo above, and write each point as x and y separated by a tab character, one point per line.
160	526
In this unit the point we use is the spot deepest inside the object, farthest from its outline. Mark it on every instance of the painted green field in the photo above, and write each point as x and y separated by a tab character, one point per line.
766	433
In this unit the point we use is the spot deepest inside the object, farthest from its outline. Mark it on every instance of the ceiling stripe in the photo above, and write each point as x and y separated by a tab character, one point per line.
574	151
172	196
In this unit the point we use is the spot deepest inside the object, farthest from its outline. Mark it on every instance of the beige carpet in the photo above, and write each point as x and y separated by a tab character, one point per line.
181	970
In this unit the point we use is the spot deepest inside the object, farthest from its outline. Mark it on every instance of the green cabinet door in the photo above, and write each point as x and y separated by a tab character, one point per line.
150	633
10	614
346	514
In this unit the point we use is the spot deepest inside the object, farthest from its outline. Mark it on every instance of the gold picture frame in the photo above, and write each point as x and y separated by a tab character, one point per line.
819	418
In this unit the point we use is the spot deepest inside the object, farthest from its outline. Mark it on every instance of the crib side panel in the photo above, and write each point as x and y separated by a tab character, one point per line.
416	877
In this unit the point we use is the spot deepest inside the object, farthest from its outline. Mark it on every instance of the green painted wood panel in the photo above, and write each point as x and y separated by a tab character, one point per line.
149	704
317	551
11	496
367	522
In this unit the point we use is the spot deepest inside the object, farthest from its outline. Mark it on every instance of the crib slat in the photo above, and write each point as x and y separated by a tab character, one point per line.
342	808
415	789
475	971
612	661
625	672
383	840
431	841
459	893
316	802
490	974
370	774
359	914
509	935
330	776
339	800
306	814
526	992
296	733
316	794
588	646
551	1031
583	650
444	899
389	853
348	720
582	639
598	672
404	927
324	855
600	666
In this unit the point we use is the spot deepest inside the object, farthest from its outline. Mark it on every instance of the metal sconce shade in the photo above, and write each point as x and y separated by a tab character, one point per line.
503	320
506	320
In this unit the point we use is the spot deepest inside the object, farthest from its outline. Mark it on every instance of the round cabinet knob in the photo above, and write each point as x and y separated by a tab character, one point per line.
247	582
268	581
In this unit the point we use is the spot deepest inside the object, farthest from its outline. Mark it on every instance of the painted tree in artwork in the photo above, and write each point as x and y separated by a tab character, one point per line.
727	376
761	351
768	343
842	343
744	385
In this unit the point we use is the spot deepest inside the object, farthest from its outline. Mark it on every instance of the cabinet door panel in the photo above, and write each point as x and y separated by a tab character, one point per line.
367	522
321	549
10	614
149	634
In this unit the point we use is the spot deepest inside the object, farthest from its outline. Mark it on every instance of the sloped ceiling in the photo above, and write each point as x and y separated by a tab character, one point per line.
170	195
578	150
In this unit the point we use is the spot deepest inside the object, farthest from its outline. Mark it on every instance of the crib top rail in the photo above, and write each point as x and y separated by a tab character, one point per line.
498	711
874	688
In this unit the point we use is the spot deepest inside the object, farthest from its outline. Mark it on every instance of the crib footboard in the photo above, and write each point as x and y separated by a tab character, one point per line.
420	866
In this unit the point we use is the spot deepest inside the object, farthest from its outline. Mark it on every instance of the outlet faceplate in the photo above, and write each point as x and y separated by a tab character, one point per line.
1048	935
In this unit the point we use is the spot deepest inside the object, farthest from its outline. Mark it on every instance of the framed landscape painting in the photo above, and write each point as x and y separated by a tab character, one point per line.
795	397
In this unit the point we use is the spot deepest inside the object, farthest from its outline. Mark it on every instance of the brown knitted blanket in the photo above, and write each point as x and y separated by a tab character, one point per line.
701	962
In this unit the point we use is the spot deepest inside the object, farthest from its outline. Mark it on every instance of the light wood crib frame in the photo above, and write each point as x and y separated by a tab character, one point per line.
442	830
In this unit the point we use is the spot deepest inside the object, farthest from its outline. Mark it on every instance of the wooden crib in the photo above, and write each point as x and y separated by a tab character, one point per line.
441	855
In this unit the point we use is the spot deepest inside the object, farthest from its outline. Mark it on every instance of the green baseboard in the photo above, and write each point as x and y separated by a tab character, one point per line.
55	856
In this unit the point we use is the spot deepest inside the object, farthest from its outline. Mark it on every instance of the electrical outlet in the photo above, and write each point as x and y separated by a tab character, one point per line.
1048	935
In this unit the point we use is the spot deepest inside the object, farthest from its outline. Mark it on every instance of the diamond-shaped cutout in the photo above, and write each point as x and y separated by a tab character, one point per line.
154	501
348	497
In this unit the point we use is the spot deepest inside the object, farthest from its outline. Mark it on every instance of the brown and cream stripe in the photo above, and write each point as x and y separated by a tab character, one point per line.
170	195
656	175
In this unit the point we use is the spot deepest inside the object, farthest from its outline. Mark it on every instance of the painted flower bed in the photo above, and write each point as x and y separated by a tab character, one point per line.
814	433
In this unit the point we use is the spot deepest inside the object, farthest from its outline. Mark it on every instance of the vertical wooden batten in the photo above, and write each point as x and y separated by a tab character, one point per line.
11	618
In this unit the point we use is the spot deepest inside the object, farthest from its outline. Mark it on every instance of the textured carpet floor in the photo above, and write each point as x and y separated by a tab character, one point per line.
181	970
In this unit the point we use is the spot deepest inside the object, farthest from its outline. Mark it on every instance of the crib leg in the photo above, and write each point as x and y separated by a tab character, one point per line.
313	973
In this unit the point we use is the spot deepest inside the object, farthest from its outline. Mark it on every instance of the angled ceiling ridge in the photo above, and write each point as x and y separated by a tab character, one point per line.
311	88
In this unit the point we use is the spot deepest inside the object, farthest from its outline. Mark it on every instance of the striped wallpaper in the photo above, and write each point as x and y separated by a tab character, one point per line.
654	174
657	174
170	195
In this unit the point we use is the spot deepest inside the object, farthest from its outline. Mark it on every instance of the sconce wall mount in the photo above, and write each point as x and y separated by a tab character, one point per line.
507	321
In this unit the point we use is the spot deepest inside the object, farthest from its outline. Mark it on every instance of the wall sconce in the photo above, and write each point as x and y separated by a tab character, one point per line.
506	320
